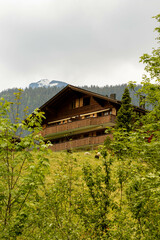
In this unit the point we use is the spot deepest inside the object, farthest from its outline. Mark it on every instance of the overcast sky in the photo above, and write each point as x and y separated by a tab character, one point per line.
81	42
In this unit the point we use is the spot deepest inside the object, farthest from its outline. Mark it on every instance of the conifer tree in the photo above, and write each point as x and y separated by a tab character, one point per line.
124	115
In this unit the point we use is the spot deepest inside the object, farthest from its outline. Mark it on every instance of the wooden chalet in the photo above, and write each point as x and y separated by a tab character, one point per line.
77	118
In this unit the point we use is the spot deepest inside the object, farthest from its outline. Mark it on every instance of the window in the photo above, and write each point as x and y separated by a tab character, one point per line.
78	102
99	114
86	101
74	104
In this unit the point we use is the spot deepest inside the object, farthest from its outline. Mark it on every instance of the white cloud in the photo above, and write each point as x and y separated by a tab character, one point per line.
74	41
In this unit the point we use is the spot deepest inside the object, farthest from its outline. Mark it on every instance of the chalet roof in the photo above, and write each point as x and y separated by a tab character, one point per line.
69	88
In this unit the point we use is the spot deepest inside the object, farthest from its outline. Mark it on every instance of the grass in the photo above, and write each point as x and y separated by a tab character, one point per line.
57	158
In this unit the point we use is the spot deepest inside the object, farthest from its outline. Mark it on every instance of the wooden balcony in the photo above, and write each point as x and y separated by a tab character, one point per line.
108	120
80	143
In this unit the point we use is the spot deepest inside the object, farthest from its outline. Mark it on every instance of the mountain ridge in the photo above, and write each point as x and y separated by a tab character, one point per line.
46	83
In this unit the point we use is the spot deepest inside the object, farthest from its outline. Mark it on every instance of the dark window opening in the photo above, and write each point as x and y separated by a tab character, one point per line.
86	101
86	135
99	114
100	133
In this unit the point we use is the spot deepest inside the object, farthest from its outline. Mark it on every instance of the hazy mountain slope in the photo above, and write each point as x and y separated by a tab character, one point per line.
35	97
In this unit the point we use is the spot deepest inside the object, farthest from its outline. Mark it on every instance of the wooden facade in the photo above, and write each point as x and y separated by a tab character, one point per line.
76	118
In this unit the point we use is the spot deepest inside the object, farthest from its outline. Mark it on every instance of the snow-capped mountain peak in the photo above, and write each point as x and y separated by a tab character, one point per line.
47	83
43	82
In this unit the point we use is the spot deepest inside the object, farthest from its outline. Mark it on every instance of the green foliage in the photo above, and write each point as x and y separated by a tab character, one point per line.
21	177
125	113
57	216
152	61
138	155
96	209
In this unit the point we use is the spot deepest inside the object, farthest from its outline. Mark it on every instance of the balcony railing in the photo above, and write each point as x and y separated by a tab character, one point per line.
80	143
110	119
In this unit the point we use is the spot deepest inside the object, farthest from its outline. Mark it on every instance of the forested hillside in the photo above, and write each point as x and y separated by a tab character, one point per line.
34	98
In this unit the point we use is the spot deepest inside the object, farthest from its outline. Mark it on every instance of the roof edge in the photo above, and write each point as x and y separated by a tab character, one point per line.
69	86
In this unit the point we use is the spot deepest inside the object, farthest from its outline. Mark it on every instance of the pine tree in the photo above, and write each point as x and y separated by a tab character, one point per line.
124	115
